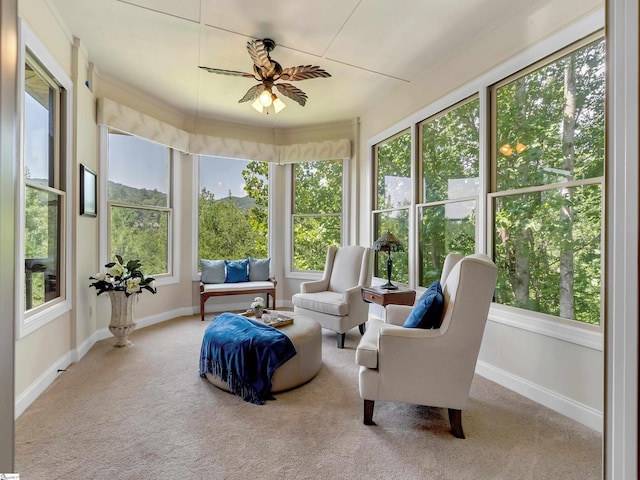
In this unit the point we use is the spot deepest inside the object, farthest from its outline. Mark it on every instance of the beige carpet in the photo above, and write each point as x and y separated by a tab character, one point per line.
144	413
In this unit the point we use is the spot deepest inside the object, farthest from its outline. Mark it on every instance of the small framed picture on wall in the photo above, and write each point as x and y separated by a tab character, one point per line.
88	192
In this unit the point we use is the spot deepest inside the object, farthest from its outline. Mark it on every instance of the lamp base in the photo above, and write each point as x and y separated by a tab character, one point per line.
389	286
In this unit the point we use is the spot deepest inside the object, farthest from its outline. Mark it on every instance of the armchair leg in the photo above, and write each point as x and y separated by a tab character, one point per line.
455	418
341	340
362	327
368	412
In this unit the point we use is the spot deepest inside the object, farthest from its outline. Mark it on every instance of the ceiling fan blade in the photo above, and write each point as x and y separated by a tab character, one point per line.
259	55
227	72
303	72
294	93
253	93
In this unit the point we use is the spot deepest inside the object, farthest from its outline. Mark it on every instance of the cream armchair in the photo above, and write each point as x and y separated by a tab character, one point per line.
335	300
431	367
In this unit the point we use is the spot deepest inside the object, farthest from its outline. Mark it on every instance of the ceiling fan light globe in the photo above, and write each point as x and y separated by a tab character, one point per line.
278	104
265	98
257	105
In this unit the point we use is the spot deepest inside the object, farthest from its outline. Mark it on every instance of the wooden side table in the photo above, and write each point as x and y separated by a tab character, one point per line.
402	296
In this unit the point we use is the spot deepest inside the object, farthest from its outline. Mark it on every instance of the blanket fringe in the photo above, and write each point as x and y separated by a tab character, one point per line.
235	384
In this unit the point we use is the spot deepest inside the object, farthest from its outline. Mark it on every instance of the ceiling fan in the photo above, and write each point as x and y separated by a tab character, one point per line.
268	72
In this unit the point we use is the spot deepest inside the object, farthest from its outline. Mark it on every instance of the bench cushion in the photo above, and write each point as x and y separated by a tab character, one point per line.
231	287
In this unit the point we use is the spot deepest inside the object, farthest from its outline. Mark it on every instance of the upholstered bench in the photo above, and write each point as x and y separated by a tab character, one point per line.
208	290
306	335
238	277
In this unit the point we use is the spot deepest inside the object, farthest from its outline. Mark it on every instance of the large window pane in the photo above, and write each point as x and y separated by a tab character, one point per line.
42	246
450	160
550	261
317	212
318	187
139	195
444	228
39	128
43	187
393	161
396	222
139	172
233	207
550	131
550	122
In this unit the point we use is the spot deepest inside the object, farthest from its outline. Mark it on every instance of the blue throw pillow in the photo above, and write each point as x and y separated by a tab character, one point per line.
212	271
259	269
427	312
237	271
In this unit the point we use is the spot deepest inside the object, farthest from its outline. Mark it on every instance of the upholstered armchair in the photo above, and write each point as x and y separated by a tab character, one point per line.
335	301
432	367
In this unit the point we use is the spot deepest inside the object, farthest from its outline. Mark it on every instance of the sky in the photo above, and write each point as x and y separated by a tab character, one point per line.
135	163
219	175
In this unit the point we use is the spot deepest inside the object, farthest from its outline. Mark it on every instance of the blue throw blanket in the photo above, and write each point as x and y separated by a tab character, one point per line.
244	354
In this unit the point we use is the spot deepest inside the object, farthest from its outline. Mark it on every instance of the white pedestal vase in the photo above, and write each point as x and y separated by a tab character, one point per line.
122	321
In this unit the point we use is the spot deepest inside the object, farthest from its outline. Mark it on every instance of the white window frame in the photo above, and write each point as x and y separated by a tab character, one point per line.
173	237
28	322
290	198
548	325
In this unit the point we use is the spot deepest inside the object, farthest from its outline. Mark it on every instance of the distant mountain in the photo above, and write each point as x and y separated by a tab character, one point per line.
137	196
142	196
242	203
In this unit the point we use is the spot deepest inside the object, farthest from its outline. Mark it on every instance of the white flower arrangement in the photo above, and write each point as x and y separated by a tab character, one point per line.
258	302
121	276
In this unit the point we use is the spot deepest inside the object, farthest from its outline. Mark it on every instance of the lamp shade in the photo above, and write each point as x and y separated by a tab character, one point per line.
388	243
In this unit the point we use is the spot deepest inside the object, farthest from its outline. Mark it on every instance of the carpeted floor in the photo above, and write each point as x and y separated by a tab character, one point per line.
144	413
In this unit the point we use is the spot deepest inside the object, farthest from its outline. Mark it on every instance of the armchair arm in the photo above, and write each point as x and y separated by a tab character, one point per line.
314	286
397	314
379	336
352	293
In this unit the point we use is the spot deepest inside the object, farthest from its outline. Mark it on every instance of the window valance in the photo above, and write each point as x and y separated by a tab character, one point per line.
126	119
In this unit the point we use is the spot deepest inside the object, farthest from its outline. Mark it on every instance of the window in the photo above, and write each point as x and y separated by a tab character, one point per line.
548	166
233	208
317	207
139	202
534	195
449	149
44	188
393	201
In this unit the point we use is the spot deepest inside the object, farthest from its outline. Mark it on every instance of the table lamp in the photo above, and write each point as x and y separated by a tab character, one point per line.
388	243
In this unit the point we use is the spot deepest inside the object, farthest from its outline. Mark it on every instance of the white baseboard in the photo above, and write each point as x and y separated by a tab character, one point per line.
34	390
568	407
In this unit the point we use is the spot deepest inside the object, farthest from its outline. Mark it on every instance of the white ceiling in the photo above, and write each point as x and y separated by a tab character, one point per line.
370	47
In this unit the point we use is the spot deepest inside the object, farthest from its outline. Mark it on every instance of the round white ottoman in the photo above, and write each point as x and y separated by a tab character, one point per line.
306	335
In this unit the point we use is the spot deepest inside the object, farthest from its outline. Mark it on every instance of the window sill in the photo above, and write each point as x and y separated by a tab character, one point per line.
31	323
584	335
168	280
304	275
